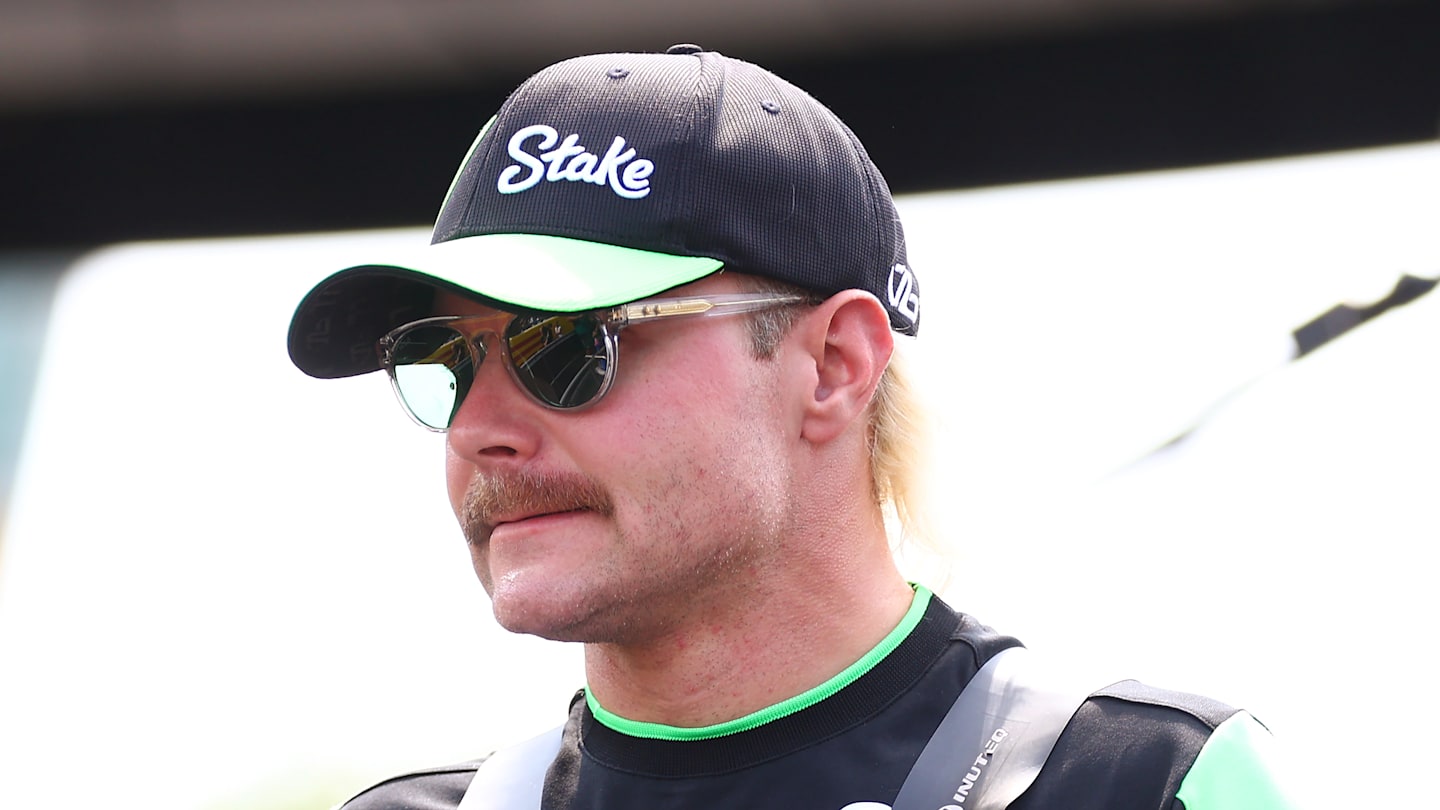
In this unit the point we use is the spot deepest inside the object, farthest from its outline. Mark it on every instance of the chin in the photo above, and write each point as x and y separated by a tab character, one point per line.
539	616
561	619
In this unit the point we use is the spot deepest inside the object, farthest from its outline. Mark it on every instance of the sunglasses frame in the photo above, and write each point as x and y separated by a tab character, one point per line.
609	322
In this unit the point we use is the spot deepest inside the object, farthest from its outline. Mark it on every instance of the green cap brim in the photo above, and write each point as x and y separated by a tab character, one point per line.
336	326
558	274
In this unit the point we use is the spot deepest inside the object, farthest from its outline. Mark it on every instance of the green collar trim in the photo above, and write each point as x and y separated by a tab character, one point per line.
660	731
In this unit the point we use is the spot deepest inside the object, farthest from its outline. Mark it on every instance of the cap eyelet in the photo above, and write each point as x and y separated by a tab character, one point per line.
618	72
772	107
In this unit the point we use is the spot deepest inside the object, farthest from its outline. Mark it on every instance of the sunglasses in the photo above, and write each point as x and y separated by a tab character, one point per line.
562	361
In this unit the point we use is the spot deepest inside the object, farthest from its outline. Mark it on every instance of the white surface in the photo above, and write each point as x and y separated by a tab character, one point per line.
222	569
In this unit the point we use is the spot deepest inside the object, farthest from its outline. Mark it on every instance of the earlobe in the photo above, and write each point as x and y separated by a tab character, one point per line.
850	345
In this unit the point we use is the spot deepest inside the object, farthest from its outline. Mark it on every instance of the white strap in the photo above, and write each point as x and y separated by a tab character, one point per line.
513	777
995	739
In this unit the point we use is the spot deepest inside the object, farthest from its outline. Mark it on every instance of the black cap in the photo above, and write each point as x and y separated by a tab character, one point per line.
608	178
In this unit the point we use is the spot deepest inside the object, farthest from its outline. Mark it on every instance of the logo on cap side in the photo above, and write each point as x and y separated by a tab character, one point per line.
570	160
903	296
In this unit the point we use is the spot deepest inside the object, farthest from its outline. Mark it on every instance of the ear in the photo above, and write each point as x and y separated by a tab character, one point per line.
848	338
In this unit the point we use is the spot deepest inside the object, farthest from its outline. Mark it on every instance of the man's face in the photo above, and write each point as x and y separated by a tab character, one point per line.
667	499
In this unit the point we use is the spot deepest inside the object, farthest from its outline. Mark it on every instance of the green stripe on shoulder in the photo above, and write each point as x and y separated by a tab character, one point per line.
1240	768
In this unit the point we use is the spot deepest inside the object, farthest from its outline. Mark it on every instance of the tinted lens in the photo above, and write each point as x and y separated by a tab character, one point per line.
562	359
433	367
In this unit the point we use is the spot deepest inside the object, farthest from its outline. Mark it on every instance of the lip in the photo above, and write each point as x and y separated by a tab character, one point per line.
534	524
539	516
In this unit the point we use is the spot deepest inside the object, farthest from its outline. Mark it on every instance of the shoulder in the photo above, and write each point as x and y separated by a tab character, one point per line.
429	789
1174	749
1130	710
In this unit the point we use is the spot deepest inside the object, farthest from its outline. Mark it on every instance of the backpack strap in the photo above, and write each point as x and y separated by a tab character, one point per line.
988	749
996	737
513	777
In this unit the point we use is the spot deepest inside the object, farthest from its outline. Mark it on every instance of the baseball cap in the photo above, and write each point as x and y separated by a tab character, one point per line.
608	178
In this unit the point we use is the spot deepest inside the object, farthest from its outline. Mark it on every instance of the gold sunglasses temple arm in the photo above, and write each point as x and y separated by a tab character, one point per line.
711	306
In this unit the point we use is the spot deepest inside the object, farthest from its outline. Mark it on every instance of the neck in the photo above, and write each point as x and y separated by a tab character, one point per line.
786	638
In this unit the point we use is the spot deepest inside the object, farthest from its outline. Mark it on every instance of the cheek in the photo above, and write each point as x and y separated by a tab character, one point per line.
457	478
703	421
694	373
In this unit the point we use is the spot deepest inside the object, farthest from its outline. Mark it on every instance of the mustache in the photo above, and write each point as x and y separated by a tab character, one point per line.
527	493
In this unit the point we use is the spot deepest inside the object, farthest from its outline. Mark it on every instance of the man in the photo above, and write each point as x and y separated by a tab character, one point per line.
657	323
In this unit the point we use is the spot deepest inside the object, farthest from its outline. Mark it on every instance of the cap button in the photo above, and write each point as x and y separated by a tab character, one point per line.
683	49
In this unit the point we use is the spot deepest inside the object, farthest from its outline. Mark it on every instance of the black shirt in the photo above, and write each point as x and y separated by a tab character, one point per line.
1129	747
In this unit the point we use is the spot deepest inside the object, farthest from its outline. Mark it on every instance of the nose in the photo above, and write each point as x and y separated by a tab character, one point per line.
494	424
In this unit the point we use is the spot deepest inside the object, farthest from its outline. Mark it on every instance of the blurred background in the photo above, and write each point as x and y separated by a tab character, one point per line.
225	585
125	119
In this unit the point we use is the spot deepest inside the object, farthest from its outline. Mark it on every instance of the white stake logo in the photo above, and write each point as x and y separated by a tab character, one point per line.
571	161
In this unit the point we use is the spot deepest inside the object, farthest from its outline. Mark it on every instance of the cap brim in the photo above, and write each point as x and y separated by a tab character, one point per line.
557	274
336	325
